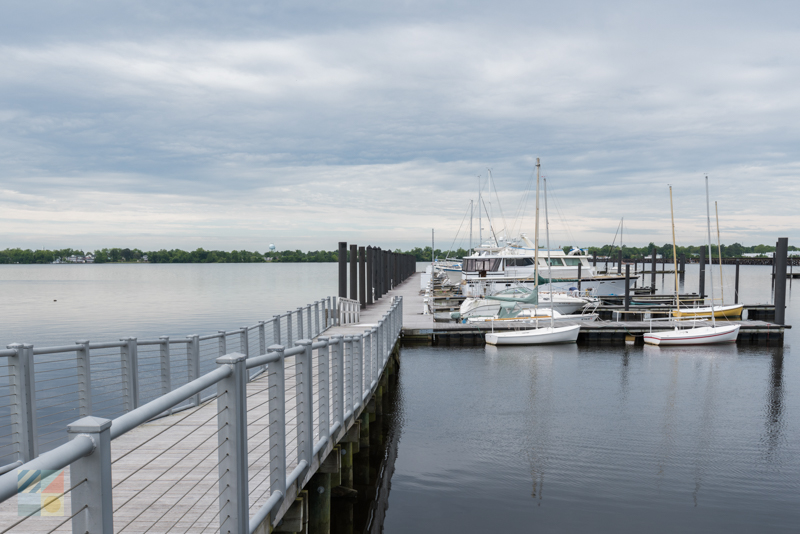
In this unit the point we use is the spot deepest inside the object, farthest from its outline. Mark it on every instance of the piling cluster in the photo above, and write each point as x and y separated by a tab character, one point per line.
373	272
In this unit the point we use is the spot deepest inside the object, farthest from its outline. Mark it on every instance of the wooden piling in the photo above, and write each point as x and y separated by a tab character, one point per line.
362	274
319	504
370	273
781	251
343	269
579	277
627	286
353	272
736	285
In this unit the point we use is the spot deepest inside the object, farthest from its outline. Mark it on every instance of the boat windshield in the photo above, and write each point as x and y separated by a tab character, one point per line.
482	264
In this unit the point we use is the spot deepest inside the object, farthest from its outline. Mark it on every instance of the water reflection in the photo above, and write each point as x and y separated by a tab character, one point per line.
774	408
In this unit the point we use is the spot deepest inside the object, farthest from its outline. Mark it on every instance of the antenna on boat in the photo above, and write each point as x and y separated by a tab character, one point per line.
710	258
674	253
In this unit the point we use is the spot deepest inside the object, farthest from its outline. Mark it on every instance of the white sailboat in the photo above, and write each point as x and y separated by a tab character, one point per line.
703	335
552	333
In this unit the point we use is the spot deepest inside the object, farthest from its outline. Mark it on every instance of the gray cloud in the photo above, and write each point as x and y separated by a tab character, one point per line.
227	126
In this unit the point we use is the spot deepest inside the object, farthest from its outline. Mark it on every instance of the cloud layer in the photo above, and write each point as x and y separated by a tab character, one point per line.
136	124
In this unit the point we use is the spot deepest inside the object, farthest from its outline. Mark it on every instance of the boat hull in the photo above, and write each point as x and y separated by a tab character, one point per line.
537	336
706	335
719	311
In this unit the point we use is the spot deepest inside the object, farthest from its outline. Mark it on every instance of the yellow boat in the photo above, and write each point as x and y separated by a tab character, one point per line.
734	310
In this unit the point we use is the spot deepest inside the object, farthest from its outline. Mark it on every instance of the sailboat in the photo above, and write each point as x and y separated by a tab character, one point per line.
703	335
734	310
545	335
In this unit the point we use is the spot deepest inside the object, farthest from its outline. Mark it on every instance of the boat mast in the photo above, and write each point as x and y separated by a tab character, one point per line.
536	232
549	268
470	228
719	250
480	223
710	261
674	252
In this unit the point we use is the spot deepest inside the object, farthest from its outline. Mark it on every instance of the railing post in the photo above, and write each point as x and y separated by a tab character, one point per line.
373	347
223	344
300	330
130	373
316	317
84	379
338	383
23	415
244	342
304	405
193	363
232	451
94	494
323	354
367	337
325	319
277	425
166	379
289	337
348	379
358	369
276	329
310	323
262	338
381	342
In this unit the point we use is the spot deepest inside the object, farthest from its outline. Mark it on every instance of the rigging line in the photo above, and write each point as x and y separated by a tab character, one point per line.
499	205
456	237
561	215
519	216
491	227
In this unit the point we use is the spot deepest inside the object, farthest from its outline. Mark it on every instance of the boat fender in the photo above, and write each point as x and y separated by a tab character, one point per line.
455	315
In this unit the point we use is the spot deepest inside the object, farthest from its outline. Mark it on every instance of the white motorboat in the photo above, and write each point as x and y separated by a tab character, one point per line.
703	335
525	298
536	336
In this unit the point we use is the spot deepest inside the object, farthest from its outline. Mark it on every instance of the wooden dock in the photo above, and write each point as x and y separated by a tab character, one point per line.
421	328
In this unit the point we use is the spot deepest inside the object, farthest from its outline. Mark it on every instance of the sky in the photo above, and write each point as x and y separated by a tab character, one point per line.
233	125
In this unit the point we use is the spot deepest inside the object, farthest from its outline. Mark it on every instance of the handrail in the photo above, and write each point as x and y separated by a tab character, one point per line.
318	379
134	418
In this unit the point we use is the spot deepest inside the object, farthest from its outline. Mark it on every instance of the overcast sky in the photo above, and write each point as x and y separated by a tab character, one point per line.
230	125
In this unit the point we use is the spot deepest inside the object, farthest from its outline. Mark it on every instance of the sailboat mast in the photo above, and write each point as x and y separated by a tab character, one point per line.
710	271
719	251
549	268
480	223
674	252
470	227
536	232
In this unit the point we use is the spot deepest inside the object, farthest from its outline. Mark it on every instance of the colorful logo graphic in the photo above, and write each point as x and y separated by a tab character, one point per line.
40	492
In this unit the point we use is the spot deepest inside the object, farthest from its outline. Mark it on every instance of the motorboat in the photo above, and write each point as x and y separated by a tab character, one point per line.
523	298
536	336
493	268
703	335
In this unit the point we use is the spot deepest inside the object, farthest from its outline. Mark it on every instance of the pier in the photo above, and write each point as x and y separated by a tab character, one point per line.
244	431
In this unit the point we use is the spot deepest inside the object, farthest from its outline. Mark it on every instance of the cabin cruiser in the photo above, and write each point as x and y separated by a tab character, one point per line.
495	268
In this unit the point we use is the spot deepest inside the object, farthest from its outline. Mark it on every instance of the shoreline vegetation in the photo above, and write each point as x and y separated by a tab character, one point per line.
126	255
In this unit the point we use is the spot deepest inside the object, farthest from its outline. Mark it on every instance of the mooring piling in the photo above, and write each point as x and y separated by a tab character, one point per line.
736	286
781	251
343	269
362	271
627	286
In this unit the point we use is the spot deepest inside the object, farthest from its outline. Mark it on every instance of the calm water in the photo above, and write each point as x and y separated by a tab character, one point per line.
559	439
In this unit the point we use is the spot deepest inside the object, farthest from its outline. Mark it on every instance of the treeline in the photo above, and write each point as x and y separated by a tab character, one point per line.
735	250
422	254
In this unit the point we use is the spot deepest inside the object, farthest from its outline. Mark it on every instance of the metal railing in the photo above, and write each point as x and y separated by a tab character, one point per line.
349	311
238	447
44	388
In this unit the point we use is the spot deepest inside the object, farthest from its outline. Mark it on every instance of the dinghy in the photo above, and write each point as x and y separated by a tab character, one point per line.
704	335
